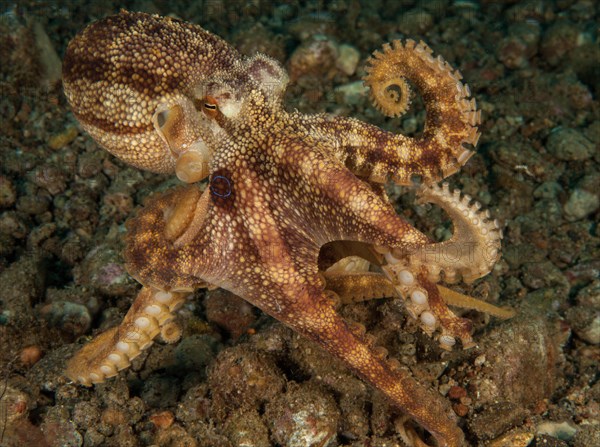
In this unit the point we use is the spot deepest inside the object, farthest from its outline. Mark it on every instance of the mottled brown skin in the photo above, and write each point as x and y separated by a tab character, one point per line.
282	185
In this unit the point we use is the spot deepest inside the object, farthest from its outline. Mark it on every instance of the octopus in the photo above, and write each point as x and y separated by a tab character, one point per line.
286	210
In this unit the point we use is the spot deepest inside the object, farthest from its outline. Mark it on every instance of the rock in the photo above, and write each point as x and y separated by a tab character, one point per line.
521	44
587	435
49	373
347	60
48	57
415	21
246	429
229	311
352	93
515	438
15	427
580	204
305	416
160	391
559	40
585	321
569	145
549	441
59	429
548	190
195	352
590	295
22	284
314	57
521	361
175	435
252	378
563	431
258	39
544	274
69	317
103	269
496	419
592	132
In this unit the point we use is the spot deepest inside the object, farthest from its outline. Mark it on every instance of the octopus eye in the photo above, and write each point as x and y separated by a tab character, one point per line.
210	106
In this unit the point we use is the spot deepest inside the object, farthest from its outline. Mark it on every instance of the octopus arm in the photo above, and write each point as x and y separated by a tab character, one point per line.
302	304
450	130
151	314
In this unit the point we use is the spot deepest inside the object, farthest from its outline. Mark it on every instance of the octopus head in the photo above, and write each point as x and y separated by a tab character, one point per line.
193	126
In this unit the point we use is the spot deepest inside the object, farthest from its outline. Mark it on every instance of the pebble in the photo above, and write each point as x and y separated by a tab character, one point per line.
12	224
460	409
456	392
33	205
580	204
162	419
30	355
569	145
51	178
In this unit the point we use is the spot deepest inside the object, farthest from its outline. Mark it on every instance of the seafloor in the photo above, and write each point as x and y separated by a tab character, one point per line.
239	378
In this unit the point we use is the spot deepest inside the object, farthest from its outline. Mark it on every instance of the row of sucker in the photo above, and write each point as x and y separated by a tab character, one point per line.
113	350
474	247
469	254
430	315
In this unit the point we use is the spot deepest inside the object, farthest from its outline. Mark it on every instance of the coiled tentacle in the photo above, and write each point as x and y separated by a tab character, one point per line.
452	118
